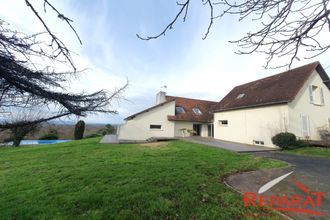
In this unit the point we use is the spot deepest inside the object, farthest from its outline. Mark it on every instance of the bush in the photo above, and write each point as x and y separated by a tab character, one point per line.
108	129
93	135
285	140
302	143
324	133
79	130
52	134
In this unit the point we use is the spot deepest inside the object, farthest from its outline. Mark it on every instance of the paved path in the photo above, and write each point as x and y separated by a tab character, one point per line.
237	147
110	139
312	172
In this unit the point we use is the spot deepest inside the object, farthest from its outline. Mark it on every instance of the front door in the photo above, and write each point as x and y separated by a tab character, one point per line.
197	129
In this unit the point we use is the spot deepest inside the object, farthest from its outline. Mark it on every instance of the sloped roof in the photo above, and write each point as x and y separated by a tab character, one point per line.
206	107
148	109
276	89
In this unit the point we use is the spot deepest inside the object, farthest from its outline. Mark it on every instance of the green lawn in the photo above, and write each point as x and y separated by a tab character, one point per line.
87	180
311	151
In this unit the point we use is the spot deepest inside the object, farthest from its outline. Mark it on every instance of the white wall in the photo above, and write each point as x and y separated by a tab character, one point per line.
138	128
247	125
318	115
181	125
188	125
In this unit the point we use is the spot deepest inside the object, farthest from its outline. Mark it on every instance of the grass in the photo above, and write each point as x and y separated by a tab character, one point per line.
87	180
311	151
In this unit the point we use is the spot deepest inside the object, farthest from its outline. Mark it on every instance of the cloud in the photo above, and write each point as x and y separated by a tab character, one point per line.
181	60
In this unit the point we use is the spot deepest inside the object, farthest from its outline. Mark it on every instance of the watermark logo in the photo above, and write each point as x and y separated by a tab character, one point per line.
306	203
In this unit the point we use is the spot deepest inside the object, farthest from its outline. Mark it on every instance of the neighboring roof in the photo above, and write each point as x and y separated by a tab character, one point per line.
206	107
148	109
276	89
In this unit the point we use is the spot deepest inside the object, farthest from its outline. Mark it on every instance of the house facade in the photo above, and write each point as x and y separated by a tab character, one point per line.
171	117
296	101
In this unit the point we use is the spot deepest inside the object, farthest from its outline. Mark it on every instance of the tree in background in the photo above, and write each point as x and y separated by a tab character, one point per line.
29	77
285	27
79	130
108	129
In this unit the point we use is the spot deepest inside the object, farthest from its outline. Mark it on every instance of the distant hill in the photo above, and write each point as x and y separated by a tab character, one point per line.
65	131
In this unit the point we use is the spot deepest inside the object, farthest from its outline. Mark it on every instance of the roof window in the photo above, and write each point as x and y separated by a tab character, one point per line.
240	96
197	111
179	110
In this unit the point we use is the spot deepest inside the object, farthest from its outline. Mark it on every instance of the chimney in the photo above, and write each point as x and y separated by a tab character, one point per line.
160	97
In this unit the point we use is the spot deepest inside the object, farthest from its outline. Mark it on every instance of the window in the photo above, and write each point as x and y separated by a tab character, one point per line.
259	142
305	126
197	111
223	123
316	96
155	127
179	110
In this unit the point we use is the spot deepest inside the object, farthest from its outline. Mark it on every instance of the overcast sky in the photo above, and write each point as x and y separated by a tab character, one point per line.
186	64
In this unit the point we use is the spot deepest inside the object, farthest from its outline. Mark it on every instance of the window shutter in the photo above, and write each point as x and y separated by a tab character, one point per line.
322	96
311	98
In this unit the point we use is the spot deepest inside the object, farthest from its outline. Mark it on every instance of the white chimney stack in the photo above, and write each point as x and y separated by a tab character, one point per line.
161	95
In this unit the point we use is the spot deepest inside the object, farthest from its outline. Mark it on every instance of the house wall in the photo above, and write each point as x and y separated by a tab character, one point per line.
138	128
319	115
181	125
188	125
247	125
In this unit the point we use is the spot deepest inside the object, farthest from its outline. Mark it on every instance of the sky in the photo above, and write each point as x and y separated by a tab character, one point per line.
112	54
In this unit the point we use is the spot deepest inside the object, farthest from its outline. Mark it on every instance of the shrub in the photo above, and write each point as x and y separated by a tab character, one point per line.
108	129
79	130
324	133
93	135
285	140
52	134
49	137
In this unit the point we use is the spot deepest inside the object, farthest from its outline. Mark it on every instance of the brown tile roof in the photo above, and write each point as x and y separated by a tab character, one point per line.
276	89
206	107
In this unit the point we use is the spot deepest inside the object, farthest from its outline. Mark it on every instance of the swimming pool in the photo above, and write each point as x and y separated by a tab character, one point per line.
36	142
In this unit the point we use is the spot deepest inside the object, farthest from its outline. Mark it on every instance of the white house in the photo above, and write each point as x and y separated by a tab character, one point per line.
170	117
296	101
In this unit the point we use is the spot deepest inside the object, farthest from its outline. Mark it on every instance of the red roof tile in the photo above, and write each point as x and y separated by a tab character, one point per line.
206	107
276	89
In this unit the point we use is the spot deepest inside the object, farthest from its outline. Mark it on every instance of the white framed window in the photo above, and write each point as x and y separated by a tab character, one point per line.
316	95
155	127
223	123
197	111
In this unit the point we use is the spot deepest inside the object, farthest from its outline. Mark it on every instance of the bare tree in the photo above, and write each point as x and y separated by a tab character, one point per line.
287	26
21	119
25	84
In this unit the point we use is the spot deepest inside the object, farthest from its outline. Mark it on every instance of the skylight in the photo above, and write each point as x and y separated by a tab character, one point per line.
179	110
240	96
197	111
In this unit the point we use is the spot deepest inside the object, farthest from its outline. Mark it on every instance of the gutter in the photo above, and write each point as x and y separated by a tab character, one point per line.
253	106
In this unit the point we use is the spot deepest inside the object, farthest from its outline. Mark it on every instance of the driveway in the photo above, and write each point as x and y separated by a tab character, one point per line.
312	172
232	146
